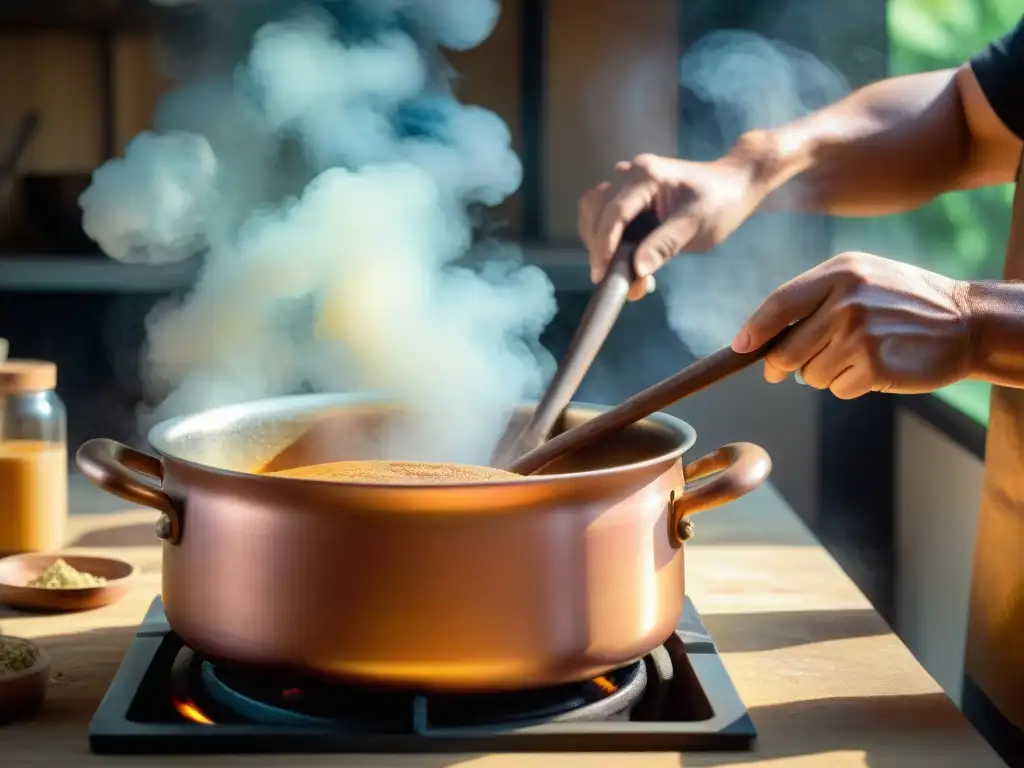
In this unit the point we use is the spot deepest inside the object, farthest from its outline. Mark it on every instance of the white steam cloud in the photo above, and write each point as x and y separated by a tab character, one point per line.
328	179
748	82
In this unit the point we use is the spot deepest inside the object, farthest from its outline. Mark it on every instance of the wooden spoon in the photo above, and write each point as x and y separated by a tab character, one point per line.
602	311
692	379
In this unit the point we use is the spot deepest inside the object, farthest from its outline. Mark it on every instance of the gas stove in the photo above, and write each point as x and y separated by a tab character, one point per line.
166	699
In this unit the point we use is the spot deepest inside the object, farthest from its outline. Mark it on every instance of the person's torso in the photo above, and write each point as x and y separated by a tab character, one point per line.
995	643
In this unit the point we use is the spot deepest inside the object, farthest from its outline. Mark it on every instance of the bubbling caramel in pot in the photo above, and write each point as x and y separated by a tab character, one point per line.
398	473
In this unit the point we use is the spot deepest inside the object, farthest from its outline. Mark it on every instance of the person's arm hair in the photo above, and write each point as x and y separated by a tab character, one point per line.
898	143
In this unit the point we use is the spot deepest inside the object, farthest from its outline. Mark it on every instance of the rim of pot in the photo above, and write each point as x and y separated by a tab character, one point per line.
213	421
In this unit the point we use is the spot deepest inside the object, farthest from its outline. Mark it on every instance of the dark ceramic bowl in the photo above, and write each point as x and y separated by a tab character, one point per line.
21	693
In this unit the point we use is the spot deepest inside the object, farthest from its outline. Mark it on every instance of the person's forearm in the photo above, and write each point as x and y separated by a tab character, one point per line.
996	311
888	147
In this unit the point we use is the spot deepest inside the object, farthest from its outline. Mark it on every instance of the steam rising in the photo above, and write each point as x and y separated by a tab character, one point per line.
748	82
328	179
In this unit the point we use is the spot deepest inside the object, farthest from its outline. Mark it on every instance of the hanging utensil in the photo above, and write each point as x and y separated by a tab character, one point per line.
600	315
692	379
23	136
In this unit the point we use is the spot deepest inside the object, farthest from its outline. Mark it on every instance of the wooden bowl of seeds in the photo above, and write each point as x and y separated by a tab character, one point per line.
24	677
57	583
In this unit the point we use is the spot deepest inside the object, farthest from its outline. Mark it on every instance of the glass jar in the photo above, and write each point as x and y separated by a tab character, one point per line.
33	458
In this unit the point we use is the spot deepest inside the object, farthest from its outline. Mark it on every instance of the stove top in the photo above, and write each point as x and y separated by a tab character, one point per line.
166	699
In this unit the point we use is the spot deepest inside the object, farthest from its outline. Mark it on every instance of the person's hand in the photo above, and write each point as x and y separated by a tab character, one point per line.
866	324
698	205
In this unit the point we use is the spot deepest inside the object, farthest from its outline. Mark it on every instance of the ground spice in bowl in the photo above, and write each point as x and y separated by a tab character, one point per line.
61	575
16	656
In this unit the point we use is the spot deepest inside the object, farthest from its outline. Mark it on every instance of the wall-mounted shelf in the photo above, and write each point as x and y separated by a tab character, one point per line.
83	15
43	273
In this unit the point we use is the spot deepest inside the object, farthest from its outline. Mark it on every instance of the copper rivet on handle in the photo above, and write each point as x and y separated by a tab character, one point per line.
675	523
680	530
165	528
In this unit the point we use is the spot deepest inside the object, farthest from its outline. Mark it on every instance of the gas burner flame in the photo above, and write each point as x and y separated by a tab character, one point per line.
604	685
191	712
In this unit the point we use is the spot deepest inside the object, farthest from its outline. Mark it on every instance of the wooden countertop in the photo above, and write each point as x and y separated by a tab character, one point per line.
827	683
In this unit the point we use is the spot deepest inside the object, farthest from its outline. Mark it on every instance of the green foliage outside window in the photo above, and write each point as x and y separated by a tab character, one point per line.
962	234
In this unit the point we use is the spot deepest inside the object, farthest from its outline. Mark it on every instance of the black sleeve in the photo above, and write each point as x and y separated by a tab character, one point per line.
1000	71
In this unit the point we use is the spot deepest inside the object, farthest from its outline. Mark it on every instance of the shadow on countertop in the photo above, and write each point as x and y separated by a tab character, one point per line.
753	632
891	731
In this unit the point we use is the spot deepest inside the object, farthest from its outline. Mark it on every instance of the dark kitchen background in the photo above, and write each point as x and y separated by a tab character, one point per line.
87	71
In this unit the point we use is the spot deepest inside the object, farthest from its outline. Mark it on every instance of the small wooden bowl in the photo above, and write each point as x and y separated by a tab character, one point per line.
21	693
16	571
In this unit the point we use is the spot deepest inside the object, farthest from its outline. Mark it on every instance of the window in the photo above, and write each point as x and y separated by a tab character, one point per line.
962	234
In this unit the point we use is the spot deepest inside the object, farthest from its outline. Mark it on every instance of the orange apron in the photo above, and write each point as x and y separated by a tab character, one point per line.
994	685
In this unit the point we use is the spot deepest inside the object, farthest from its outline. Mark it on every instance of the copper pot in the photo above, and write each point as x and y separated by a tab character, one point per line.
480	587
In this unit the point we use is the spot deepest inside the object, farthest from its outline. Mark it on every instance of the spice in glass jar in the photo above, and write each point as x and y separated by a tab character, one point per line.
33	458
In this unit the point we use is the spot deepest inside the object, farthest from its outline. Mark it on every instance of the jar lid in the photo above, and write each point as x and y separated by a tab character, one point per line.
20	376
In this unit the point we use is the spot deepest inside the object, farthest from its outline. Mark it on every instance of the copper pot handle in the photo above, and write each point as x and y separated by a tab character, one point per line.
732	471
130	474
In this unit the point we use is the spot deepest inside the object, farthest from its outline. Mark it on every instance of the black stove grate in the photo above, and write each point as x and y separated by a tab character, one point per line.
223	693
167	700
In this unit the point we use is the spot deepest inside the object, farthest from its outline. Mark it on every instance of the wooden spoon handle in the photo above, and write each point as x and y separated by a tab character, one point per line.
602	311
692	379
